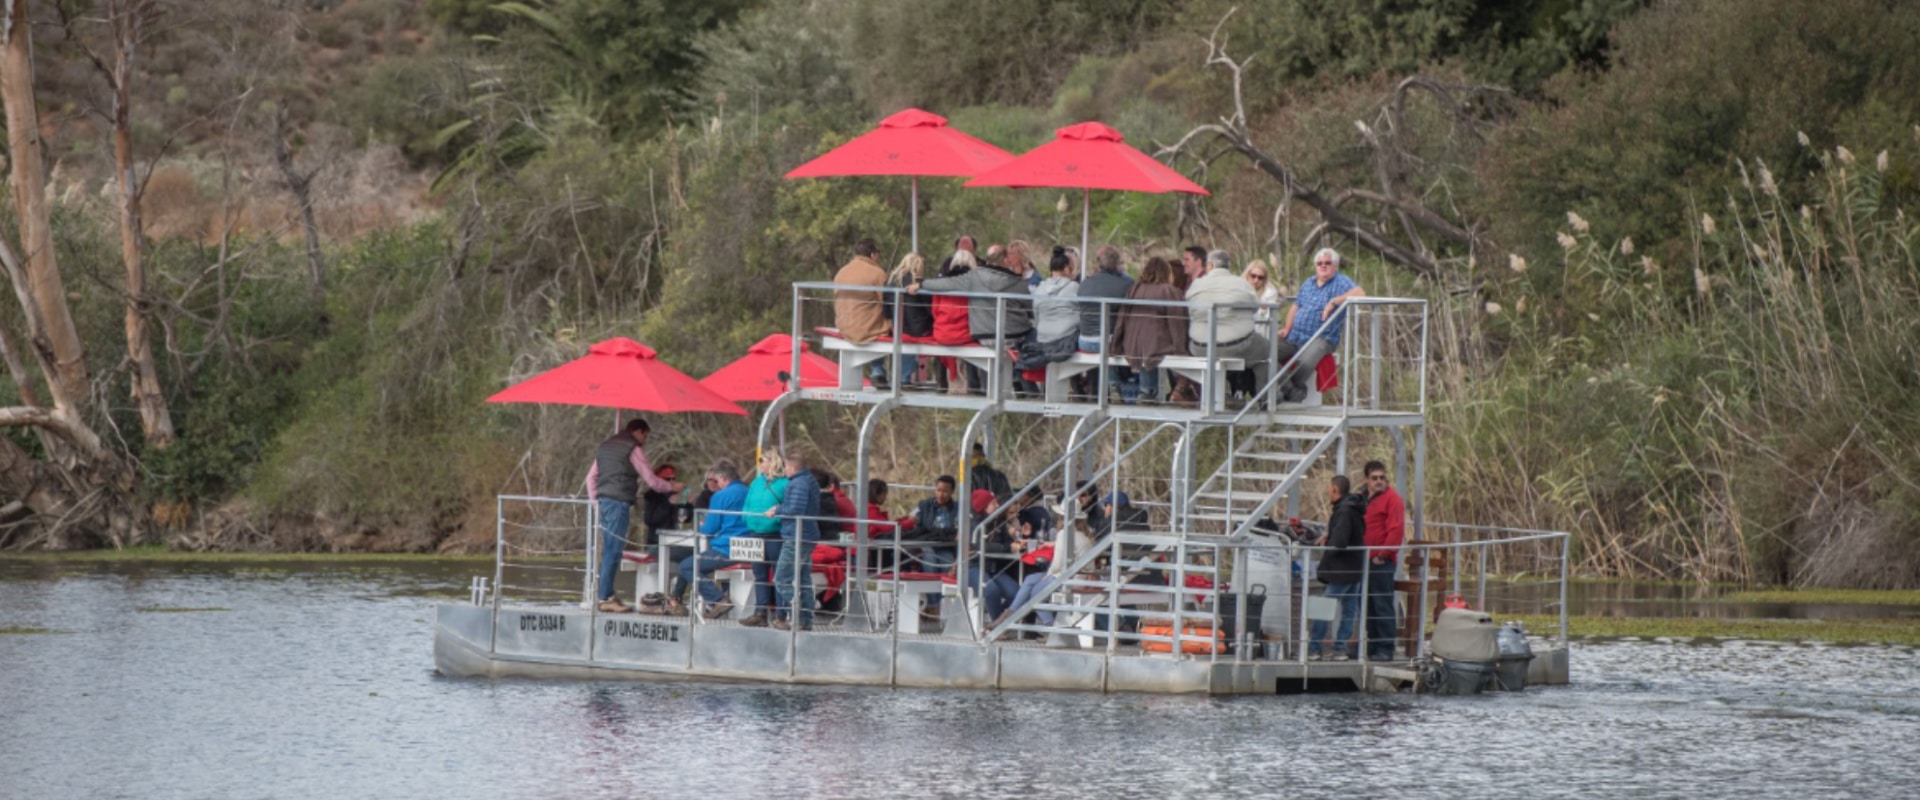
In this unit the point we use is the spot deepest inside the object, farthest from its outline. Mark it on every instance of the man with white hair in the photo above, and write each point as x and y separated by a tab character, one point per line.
1322	300
1233	334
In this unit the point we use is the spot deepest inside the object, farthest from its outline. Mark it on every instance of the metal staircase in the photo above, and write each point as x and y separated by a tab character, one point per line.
1263	465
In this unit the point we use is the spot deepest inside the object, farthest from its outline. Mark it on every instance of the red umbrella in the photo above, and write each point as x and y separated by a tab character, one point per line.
618	373
1088	156
755	377
912	142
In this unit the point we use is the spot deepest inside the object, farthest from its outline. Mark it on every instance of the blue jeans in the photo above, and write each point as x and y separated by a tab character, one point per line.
614	516
1138	384
994	596
1382	621
703	565
1035	585
935	559
877	370
763	578
794	559
1348	595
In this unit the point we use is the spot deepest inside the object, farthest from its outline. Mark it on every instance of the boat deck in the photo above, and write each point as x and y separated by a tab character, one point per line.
570	642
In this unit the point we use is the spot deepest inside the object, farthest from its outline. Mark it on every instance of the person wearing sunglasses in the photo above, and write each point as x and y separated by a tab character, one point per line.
1386	520
1261	279
1322	299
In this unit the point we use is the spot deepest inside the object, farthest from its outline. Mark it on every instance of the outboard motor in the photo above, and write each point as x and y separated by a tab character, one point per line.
1465	643
1515	656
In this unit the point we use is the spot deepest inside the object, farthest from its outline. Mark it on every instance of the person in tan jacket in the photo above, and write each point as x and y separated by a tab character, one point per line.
862	316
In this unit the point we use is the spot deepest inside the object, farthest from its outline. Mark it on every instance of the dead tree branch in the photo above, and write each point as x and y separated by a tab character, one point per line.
1393	166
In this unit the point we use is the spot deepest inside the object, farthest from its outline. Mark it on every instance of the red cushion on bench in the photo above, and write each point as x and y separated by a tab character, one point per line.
639	557
916	576
1326	374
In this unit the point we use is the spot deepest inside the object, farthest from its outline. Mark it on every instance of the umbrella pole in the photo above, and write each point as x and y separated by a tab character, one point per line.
913	210
1086	216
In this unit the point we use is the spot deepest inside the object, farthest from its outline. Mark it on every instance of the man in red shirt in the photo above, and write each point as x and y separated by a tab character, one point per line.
1386	528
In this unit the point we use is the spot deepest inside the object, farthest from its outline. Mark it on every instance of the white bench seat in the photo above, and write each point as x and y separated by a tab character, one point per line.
853	358
1060	374
739	581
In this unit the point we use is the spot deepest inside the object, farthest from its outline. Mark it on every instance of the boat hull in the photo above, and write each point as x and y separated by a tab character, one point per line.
571	643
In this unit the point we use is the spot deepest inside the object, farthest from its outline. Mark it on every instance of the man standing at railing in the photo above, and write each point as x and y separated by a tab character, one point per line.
798	512
613	483
862	316
1386	528
1229	329
1342	568
1322	299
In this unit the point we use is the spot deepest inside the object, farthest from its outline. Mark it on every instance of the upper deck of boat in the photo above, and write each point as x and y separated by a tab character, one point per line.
1375	375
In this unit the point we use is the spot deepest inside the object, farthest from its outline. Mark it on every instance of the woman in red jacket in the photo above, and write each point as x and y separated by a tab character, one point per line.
950	316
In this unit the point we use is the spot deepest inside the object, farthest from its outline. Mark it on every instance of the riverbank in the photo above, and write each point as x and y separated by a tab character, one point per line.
162	554
1891	630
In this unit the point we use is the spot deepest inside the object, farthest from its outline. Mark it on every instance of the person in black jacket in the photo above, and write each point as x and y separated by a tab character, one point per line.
1342	567
915	316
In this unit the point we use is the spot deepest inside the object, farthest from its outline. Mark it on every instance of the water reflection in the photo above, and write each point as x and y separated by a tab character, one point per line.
317	683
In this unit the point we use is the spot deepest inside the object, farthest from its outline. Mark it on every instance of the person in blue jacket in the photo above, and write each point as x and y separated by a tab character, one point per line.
725	520
799	513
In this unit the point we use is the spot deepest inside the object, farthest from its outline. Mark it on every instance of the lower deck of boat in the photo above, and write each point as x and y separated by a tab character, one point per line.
568	642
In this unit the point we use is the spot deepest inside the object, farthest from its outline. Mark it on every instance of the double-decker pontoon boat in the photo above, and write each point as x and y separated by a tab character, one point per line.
1200	592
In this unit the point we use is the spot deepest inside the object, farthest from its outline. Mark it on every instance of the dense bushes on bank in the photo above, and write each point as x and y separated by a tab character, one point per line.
1699	357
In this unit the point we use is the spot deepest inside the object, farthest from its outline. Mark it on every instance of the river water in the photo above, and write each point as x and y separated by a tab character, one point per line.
309	680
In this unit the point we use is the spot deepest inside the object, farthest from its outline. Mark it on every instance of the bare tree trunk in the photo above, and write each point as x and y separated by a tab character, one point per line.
27	180
83	492
155	419
301	185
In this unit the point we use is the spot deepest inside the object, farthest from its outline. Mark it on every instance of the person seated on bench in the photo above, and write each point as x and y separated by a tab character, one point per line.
950	323
1015	317
1043	572
936	521
661	510
1107	281
1323	298
880	527
1056	316
1145	334
835	503
993	578
725	520
1231	329
1032	520
916	311
768	486
862	316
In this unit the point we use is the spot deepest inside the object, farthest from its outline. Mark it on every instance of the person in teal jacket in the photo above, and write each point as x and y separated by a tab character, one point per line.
768	487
